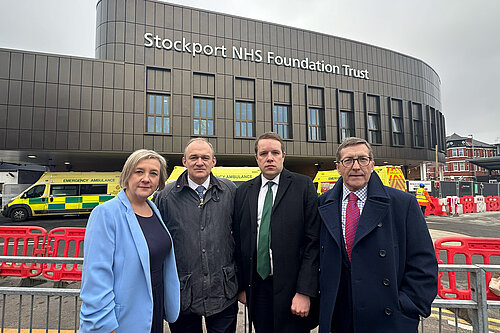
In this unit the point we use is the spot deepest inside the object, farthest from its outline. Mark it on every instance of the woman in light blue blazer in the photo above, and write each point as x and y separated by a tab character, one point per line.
129	280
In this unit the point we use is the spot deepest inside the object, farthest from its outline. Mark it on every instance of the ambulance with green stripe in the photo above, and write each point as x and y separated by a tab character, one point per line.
62	193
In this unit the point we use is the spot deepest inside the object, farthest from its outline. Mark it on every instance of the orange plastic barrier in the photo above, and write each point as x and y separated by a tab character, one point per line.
468	247
64	242
22	241
492	203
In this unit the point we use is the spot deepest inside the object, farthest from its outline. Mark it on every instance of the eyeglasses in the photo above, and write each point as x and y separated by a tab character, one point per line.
362	161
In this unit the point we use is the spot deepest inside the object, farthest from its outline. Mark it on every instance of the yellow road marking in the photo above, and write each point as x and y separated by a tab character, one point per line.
451	320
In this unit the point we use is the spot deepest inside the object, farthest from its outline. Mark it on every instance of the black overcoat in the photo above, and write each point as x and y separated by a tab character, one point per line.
294	242
393	264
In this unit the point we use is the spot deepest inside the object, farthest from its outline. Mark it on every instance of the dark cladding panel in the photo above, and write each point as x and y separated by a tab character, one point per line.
4	87
62	120
14	92
96	98
39	94
107	100
27	93
16	66
74	120
150	13
87	68
97	74
76	71
130	11
4	64
108	75
177	19
28	67
64	70
52	69
63	96
159	15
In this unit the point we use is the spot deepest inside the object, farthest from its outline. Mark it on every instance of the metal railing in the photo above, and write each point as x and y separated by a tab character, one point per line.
477	306
37	311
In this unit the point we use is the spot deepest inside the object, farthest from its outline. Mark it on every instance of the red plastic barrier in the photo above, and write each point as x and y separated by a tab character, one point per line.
492	203
434	208
64	242
468	247
22	241
468	204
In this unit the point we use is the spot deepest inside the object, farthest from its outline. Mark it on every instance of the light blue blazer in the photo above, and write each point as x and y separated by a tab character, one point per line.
116	288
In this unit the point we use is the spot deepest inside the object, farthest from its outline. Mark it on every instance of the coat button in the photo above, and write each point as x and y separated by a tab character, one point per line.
388	311
379	224
386	282
382	253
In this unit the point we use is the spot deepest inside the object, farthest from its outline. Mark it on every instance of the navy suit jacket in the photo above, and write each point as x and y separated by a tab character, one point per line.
393	264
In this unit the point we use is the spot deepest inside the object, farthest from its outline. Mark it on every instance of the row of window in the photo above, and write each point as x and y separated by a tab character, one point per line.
462	166
159	118
57	190
457	152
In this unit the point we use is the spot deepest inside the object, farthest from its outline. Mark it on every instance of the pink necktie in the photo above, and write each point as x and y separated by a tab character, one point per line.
351	222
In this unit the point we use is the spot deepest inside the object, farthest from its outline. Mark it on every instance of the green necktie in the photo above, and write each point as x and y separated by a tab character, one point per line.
263	260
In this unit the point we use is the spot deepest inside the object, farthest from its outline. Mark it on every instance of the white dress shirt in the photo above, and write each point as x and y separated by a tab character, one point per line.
260	206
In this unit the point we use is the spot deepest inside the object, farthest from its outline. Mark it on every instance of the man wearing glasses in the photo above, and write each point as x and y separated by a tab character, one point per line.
378	267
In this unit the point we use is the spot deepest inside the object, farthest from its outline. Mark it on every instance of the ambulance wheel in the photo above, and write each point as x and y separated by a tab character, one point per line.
19	214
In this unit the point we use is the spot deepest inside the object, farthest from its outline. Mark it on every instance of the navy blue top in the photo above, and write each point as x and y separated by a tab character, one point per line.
159	245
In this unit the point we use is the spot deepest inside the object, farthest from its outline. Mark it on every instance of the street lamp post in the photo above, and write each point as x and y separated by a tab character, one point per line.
472	144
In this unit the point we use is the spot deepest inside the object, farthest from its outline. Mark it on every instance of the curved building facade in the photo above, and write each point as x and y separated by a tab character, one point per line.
165	73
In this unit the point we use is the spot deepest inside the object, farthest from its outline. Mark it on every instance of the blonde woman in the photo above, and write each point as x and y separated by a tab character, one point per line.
129	281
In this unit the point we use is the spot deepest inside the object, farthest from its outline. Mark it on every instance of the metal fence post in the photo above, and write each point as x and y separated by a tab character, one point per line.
478	294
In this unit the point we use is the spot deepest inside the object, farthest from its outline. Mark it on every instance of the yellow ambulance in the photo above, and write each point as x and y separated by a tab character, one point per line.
390	175
60	193
236	174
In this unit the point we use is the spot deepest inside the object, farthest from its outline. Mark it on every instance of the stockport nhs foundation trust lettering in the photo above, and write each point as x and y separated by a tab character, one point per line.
258	56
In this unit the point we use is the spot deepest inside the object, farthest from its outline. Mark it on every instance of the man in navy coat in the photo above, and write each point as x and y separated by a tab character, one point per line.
386	277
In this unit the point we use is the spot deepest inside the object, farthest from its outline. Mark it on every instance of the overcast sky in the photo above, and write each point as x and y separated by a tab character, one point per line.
460	39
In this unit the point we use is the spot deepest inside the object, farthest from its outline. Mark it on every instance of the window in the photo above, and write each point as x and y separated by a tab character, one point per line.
462	166
282	109
460	152
203	119
373	119
453	152
346	114
397	122
455	166
35	191
63	190
93	189
418	127
244	120
158	119
315	114
346	124
281	121
244	117
431	117
316	124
